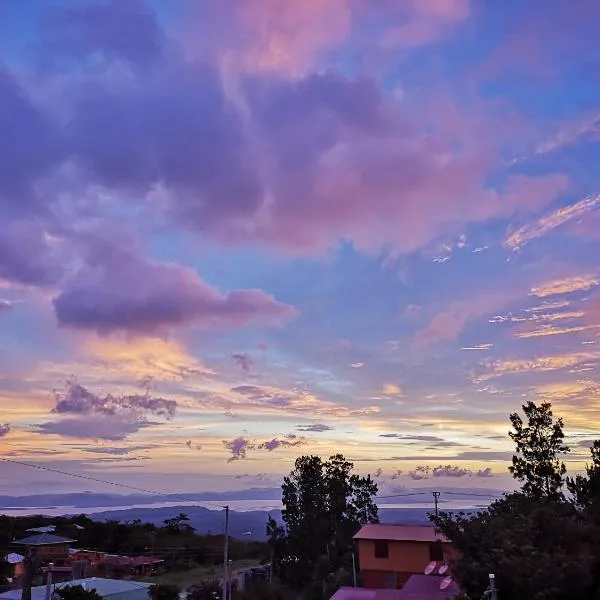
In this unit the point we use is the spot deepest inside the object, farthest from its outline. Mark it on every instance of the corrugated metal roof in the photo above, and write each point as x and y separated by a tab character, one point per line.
104	587
400	533
43	539
427	587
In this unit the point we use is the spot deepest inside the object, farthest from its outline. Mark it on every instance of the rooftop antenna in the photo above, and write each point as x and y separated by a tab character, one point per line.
445	584
430	568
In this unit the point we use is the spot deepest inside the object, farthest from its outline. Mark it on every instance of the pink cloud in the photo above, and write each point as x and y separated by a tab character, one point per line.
119	289
448	324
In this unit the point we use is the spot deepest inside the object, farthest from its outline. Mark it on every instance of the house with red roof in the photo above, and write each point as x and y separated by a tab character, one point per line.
388	555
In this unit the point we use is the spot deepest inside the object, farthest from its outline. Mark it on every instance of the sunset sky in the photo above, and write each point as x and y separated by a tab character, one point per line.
237	231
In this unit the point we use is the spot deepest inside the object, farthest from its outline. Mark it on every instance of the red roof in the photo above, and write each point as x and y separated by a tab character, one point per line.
400	533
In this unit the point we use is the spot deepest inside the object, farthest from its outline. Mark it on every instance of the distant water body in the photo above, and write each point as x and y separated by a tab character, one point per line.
235	505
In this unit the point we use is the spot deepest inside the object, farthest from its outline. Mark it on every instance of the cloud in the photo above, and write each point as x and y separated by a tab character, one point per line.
126	31
120	290
314	428
276	443
499	368
391	389
449	323
238	448
272	398
5	306
487	472
193	446
579	283
526	234
76	399
265	163
450	471
101	427
27	257
409	437
5	429
244	361
116	450
419	473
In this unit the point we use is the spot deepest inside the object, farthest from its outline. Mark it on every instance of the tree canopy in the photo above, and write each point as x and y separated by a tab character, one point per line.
540	544
324	504
77	592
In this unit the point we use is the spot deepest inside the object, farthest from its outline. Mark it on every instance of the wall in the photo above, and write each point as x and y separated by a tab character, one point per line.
404	559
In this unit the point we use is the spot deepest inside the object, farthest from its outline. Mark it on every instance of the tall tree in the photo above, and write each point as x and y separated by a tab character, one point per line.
325	503
585	489
539	447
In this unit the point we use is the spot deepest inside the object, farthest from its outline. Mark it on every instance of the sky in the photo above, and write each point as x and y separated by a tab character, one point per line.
234	232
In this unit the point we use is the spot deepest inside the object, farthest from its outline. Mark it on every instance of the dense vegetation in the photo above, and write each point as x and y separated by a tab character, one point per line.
325	504
543	541
175	541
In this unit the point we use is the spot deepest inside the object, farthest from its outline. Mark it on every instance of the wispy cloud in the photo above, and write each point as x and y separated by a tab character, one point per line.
5	429
314	428
568	285
545	225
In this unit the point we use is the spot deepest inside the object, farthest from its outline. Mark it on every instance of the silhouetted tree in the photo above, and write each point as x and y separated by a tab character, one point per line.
325	504
539	447
77	592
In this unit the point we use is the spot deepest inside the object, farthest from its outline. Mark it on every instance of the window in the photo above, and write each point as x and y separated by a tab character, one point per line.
436	551
381	549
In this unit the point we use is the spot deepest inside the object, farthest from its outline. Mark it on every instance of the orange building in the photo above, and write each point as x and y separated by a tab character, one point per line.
389	554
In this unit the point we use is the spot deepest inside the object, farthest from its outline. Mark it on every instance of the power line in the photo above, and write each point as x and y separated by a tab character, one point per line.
402	495
473	494
104	481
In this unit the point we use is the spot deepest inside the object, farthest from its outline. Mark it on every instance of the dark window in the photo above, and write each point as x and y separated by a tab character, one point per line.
436	551
381	549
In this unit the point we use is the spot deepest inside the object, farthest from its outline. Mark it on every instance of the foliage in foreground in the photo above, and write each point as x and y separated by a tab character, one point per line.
77	592
325	504
540	544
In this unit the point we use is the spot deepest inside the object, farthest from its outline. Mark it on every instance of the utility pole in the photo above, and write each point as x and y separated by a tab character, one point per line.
493	590
225	554
49	581
354	568
27	575
436	496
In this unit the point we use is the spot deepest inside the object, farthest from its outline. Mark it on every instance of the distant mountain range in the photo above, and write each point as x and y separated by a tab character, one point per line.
210	521
204	520
92	499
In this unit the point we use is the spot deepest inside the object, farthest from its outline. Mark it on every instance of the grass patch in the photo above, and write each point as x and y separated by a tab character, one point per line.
186	578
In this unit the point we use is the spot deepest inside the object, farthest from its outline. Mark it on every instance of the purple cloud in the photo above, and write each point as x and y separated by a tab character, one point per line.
414	438
450	471
487	472
76	399
314	428
244	361
276	443
5	429
124	30
101	427
238	448
26	256
120	290
419	473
